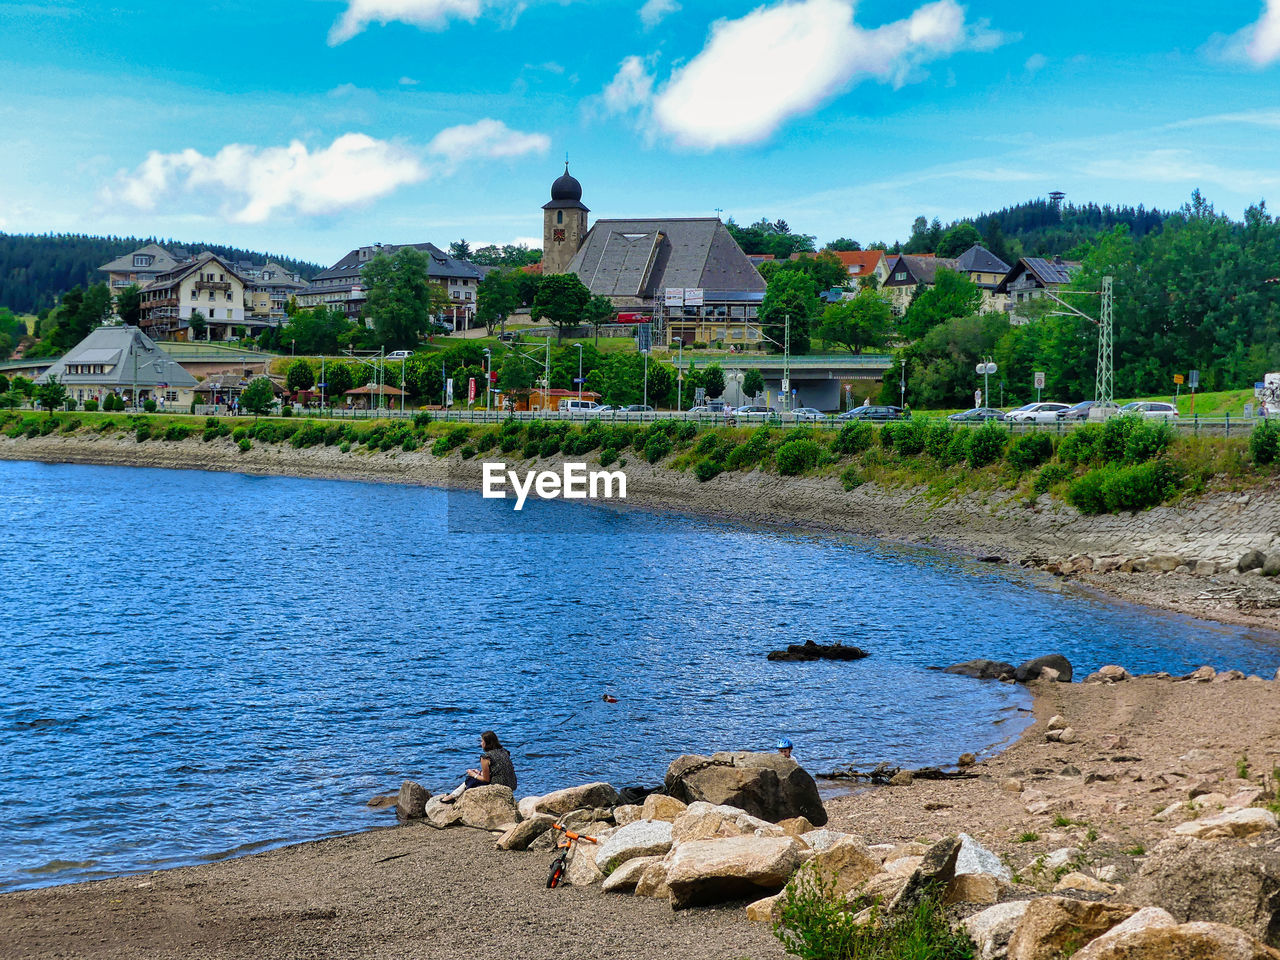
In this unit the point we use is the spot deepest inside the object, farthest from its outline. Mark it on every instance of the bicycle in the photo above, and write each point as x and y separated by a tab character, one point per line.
561	863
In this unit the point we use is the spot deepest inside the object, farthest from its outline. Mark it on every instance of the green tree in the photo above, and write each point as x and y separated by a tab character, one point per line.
496	299
508	255
844	244
400	299
753	383
258	397
958	239
863	323
198	325
129	304
773	238
790	294
52	395
460	250
562	299
517	376
12	399
318	331
713	381
300	376
952	295
4	383
600	310
338	380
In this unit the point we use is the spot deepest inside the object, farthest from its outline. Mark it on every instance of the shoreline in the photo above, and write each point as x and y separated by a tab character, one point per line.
1141	554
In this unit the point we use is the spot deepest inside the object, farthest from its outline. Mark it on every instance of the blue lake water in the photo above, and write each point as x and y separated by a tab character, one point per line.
197	664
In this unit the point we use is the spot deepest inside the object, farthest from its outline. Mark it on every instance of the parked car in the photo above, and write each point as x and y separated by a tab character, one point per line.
978	414
808	413
607	408
399	354
1046	412
579	406
872	413
1102	411
637	408
1151	410
1078	411
752	411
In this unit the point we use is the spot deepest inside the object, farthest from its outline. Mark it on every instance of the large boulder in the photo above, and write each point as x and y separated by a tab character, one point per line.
1247	822
625	878
658	806
644	838
848	863
525	832
1148	918
582	870
991	929
441	814
974	858
933	874
653	881
576	798
489	807
1056	926
1213	882
766	785
734	868
1054	661
411	801
983	669
1189	941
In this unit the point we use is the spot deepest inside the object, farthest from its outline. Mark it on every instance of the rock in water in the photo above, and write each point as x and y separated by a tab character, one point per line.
983	669
488	807
411	801
1215	882
809	651
1054	661
713	871
765	785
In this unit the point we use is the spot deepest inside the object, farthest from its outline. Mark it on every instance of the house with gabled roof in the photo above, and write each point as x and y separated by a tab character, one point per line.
1030	277
909	272
207	284
122	360
862	264
342	287
986	270
141	267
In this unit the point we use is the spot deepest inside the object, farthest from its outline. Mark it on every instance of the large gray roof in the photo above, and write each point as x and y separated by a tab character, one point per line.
978	259
920	269
163	261
640	258
440	264
116	347
1048	273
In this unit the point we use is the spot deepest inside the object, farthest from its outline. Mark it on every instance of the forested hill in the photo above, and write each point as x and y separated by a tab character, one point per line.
37	269
1042	228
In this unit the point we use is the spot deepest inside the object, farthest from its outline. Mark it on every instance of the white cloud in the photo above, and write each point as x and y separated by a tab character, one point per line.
255	184
1256	45
491	139
408	82
427	14
785	60
1174	165
655	11
630	88
1035	63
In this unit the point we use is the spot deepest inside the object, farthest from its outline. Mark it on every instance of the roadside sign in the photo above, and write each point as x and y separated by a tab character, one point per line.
1039	379
579	379
673	297
644	338
321	386
1258	388
699	394
786	386
1248	411
1194	380
1178	378
448	392
471	390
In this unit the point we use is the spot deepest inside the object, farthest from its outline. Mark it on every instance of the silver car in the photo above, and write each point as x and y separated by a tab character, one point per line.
1046	412
808	413
1151	410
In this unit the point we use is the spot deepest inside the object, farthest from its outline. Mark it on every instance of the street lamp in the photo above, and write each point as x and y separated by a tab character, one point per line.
679	373
579	346
902	382
986	368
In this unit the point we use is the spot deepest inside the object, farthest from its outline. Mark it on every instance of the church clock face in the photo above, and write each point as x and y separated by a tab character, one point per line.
557	235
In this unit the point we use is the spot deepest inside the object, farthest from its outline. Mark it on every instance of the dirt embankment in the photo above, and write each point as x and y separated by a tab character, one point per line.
1177	557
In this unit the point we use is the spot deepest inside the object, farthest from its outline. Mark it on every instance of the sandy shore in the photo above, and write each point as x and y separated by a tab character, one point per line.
414	892
1217	528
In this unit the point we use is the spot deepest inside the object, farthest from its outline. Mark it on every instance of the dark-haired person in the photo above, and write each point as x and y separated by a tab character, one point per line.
495	767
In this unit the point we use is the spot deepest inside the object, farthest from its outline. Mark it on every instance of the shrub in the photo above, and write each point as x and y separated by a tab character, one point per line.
1050	475
245	444
532	449
1081	444
937	440
467	451
177	432
657	446
1264	443
986	445
422	419
1140	486
607	456
332	434
510	441
708	444
149	406
851	478
686	431
1114	438
1087	493
708	469
537	430
910	436
91	406
1148	440
958	447
797	456
345	446
487	441
410	444
550	446
209	434
239	433
71	425
1030	450
750	452
286	410
143	433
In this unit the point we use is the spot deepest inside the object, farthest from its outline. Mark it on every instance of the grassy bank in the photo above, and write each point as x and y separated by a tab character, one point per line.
1124	464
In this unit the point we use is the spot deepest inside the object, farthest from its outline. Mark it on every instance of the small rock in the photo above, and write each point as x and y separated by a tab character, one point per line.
1067	736
1244	797
903	778
577	798
525	832
1253	560
991	929
967	760
974	858
1111	673
823	839
1235	823
902	866
1205	568
1060	857
1056	723
626	813
972	888
1083	883
1272	567
1108	873
795	826
1113	741
382	801
1055	661
1011	785
766	910
1148	918
1228	675
1201	674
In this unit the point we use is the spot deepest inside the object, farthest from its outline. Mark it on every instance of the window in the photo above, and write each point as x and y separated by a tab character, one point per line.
559	216
900	276
213	314
142	261
228	294
211	296
171	396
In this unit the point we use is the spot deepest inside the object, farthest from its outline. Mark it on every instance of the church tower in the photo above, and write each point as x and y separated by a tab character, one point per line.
564	224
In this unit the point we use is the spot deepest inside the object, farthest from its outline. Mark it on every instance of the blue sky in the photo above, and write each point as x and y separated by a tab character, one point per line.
311	126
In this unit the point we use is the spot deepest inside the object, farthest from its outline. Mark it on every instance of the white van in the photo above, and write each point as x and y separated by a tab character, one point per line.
578	406
399	355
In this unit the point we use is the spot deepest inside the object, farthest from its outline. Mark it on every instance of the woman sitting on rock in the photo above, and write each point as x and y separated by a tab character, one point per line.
495	767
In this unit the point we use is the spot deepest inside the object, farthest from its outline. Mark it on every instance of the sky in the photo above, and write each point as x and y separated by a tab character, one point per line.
309	127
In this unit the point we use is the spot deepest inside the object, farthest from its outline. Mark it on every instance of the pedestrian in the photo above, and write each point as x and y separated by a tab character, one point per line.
866	401
785	747
495	768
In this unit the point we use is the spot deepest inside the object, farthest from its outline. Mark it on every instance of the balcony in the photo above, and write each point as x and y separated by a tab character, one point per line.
166	302
213	285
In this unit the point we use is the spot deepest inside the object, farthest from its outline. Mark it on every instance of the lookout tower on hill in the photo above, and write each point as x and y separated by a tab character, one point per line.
564	224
